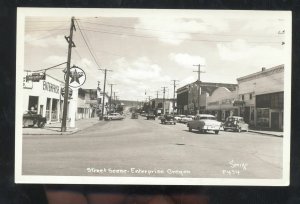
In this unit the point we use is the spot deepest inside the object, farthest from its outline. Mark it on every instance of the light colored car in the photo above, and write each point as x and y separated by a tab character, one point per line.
187	118
204	123
235	123
114	116
178	117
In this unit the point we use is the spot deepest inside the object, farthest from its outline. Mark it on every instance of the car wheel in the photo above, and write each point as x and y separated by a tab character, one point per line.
225	129
41	124
216	132
239	129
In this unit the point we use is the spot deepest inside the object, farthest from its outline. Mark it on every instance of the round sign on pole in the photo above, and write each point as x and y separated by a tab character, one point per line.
77	77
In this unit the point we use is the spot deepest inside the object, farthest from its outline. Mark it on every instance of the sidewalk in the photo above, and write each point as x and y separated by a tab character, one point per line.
55	128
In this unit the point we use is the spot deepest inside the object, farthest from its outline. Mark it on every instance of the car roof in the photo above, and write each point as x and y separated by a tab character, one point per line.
205	115
237	117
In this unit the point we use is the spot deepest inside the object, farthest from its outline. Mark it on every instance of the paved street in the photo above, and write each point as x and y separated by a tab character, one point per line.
138	147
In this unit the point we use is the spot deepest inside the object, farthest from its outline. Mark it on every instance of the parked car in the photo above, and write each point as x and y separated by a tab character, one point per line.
204	123
114	116
150	116
168	119
31	119
134	116
187	118
178	117
235	123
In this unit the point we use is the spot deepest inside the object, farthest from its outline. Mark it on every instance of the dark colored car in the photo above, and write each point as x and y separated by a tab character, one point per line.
134	116
31	119
235	123
168	119
150	116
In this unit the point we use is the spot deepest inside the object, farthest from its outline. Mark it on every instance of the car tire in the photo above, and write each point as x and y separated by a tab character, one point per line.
41	124
225	129
216	132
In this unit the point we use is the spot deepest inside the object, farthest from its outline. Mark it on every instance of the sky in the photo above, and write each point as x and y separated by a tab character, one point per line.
145	53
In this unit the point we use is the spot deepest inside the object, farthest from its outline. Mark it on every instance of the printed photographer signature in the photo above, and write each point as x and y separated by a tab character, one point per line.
235	168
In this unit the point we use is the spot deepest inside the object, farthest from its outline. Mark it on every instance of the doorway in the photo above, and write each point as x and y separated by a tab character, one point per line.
275	120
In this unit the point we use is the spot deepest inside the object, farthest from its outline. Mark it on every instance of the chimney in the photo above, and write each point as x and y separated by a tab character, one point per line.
263	69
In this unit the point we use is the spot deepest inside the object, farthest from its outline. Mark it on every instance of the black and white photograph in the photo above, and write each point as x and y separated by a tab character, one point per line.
153	96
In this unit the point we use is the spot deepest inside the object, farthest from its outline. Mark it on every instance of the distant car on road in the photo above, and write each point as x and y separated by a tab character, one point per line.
204	123
168	119
187	118
235	123
178	117
150	116
31	119
134	116
114	116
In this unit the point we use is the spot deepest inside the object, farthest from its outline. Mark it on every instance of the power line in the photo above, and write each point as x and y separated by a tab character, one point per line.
197	40
87	44
156	30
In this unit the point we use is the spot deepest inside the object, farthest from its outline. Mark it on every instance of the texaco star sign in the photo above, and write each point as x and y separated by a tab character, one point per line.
77	77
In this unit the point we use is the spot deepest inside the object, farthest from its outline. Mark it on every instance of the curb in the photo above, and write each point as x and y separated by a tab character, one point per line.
265	133
75	130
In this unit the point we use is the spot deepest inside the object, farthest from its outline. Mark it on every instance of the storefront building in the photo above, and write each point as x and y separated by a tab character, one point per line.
187	96
43	97
162	106
222	103
262	93
86	103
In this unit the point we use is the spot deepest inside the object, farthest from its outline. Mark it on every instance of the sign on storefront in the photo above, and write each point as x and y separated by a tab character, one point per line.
36	77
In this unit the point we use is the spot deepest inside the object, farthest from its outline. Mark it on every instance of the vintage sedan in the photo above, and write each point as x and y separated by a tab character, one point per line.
179	117
187	118
168	119
134	116
235	123
114	116
204	123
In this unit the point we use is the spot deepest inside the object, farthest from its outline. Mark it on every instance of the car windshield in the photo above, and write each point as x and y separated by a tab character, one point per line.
231	119
207	118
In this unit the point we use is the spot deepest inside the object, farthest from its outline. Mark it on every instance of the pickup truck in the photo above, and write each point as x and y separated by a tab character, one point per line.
31	119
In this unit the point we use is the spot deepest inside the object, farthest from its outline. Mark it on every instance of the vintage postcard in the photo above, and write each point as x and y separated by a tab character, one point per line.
153	97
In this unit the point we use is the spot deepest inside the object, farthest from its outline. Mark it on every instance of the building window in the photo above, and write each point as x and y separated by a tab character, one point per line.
250	96
243	97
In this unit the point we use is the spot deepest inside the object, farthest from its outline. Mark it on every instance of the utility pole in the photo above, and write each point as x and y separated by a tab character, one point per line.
174	84
111	85
164	91
66	96
103	98
198	86
115	95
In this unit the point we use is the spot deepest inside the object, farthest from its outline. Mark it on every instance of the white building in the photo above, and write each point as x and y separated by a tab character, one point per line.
222	103
44	96
262	93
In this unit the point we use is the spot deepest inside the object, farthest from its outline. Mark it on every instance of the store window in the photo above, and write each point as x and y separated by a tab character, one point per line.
262	117
33	103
